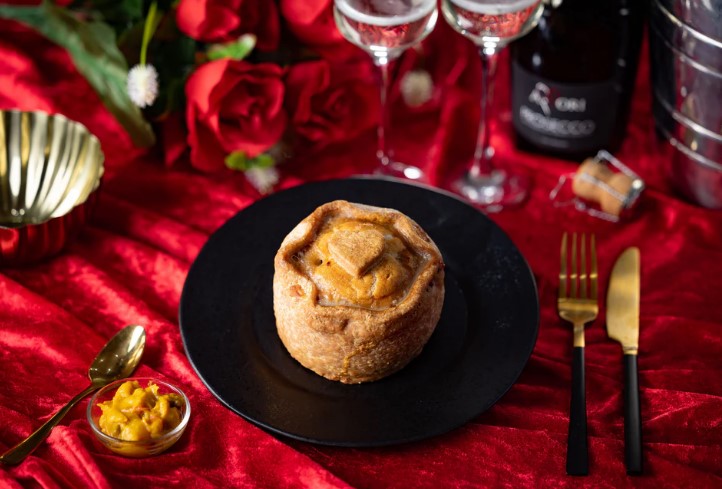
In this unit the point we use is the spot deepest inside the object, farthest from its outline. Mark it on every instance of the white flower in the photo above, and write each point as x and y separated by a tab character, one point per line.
417	87
262	179
143	85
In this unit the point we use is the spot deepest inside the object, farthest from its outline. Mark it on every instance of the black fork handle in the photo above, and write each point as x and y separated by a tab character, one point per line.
577	450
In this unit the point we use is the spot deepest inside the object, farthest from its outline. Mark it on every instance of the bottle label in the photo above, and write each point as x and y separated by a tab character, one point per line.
560	116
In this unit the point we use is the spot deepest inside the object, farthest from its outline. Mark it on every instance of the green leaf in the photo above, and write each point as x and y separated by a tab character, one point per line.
263	161
92	47
239	161
238	49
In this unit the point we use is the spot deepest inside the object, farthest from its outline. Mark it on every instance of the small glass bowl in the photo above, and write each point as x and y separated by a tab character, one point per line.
141	448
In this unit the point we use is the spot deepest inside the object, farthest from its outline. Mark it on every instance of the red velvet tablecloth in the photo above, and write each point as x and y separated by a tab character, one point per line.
129	265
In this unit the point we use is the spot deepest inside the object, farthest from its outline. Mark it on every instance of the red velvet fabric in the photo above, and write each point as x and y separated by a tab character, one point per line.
129	265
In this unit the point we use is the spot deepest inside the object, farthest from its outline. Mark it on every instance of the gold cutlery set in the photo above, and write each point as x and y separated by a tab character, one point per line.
578	304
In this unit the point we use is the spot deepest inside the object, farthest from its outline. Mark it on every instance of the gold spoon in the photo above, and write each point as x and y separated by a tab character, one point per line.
116	360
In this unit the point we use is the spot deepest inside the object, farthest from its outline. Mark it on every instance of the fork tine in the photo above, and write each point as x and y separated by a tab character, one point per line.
583	269
563	269
573	276
593	273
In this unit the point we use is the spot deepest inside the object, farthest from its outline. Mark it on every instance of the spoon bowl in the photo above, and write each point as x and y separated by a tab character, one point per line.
119	357
117	360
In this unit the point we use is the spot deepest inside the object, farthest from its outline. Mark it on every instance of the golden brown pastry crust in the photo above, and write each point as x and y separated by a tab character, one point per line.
365	340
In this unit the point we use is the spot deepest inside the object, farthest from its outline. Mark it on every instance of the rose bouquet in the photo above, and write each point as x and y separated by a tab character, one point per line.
234	84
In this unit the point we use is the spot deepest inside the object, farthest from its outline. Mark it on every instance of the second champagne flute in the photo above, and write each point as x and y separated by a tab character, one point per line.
384	29
491	25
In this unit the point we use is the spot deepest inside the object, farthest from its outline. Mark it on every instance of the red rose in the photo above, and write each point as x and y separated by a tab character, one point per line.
330	103
233	106
226	20
311	21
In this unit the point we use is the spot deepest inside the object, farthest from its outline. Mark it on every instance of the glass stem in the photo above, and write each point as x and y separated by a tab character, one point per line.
482	166
382	152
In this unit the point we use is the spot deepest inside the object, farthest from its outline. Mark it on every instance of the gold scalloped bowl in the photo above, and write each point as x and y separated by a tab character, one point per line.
50	169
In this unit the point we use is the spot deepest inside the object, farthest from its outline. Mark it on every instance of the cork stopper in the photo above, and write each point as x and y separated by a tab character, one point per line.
596	182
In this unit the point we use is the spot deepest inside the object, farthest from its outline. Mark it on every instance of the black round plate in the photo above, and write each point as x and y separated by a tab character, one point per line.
486	333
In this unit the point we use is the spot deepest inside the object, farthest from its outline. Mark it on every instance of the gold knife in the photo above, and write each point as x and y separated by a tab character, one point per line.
623	326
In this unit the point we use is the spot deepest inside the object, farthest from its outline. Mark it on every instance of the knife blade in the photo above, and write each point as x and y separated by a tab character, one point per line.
623	326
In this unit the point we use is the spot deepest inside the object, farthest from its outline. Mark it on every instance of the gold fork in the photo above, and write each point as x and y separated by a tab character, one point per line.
577	303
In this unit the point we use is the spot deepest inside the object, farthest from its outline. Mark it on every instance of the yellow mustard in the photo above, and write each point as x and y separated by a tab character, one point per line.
136	414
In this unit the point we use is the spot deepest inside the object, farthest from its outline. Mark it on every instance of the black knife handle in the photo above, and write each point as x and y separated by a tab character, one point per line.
632	417
577	451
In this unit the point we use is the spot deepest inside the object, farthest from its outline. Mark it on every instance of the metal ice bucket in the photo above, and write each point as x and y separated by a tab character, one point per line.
686	56
704	16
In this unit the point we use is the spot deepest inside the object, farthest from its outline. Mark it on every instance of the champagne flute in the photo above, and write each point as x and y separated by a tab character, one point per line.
384	29
491	25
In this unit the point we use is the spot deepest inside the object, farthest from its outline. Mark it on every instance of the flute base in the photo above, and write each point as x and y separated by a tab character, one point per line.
401	170
495	191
